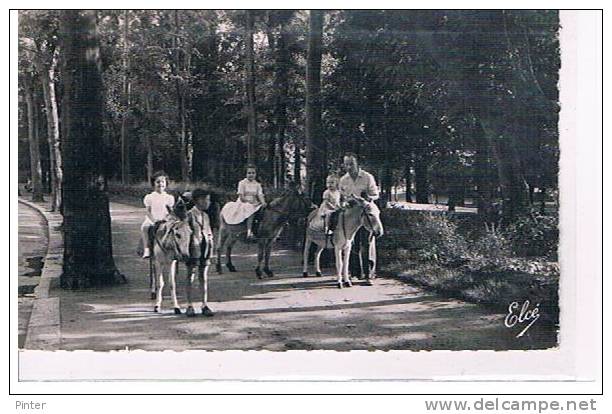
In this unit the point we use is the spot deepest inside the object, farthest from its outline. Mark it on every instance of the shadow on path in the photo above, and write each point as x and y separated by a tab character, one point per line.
282	313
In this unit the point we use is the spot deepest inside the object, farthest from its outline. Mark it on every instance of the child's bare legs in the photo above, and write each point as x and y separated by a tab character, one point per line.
144	230
250	226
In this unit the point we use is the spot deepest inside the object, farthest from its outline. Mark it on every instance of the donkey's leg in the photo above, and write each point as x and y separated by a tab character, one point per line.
305	257
372	257
203	277
160	285
228	254
152	277
317	260
267	253
345	265
173	267
260	257
338	254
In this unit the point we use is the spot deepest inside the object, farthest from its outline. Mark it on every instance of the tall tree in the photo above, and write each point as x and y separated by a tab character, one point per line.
180	63
125	139
35	166
250	88
279	43
316	144
88	255
38	31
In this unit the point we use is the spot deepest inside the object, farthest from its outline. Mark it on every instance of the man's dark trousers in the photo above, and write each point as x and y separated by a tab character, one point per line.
359	263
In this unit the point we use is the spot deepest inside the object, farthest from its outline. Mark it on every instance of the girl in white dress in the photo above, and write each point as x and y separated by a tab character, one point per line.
157	203
250	199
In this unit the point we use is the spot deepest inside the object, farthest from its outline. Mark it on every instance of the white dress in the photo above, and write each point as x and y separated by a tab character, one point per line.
330	203
235	212
159	204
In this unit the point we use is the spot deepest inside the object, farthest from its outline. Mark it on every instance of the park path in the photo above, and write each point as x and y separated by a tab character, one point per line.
31	251
283	313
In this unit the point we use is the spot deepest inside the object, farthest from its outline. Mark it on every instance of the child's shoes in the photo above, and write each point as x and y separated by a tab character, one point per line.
147	253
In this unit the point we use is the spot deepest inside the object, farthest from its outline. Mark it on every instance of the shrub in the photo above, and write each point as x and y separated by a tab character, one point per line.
441	241
492	244
535	235
137	191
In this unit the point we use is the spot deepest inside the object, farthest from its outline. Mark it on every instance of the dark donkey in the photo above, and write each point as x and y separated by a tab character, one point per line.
290	207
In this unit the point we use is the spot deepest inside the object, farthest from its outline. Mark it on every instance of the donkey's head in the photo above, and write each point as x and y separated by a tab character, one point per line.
178	231
299	204
370	216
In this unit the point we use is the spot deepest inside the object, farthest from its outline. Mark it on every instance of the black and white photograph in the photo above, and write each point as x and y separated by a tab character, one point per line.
289	180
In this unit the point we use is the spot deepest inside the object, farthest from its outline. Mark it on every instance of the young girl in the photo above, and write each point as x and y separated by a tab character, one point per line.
157	203
250	199
331	201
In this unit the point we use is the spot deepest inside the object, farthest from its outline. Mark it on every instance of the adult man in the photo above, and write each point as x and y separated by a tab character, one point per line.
360	183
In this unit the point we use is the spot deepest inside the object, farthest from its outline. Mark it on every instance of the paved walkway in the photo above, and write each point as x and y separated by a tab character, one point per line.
283	313
31	250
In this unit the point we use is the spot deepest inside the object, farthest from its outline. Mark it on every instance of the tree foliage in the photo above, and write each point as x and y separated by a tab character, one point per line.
456	103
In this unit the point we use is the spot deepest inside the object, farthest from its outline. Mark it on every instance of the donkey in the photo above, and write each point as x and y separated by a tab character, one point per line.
359	213
170	245
290	207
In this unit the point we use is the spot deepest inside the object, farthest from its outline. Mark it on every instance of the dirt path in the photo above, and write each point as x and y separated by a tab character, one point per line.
31	250
283	313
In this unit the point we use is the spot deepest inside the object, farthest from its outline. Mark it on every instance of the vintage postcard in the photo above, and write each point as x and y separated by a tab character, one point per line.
342	184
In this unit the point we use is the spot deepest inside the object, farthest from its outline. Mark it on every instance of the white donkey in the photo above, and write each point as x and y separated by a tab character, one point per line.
359	213
171	245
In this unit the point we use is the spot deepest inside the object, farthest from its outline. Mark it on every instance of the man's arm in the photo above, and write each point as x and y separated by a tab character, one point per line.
372	190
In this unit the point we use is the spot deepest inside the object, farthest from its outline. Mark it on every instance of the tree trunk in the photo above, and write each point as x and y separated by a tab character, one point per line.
387	175
47	75
484	176
408	179
297	165
316	148
514	188
420	180
35	166
281	86
125	139
250	89
88	255
149	142
180	97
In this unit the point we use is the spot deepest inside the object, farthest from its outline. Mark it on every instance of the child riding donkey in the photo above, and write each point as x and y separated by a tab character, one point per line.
158	203
171	234
250	200
359	224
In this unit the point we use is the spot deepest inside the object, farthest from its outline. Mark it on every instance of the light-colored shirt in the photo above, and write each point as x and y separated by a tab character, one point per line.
250	190
159	204
330	201
200	223
364	182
